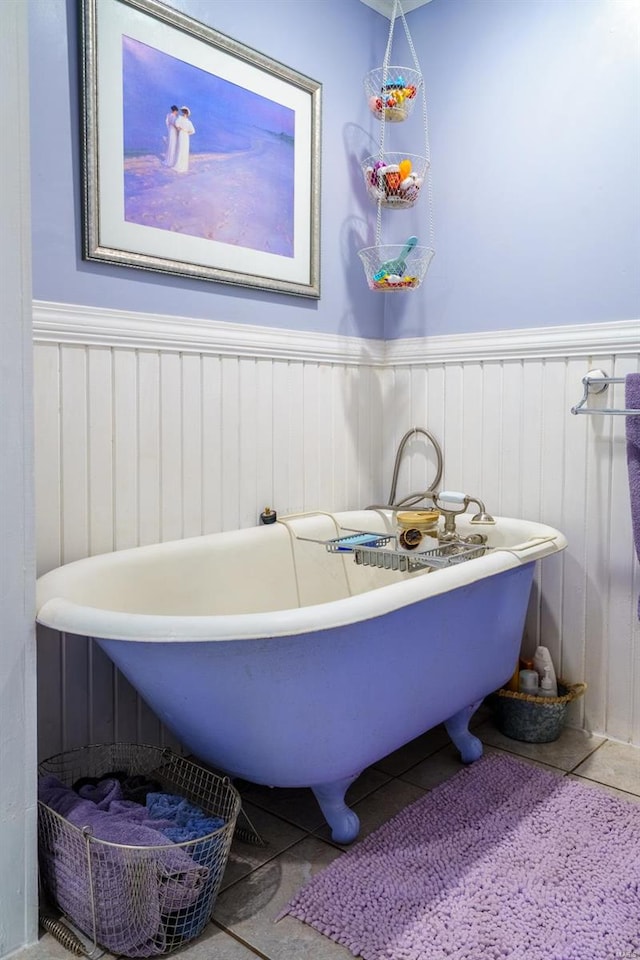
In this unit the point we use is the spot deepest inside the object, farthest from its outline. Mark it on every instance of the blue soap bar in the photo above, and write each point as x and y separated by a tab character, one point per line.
360	540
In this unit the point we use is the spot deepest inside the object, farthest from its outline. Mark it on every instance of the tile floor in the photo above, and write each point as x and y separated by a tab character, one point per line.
260	880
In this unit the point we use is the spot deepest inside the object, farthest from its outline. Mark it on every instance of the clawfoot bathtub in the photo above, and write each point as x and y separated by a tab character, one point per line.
280	662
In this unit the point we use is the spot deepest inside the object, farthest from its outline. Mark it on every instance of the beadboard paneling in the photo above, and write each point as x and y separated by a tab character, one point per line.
137	444
509	437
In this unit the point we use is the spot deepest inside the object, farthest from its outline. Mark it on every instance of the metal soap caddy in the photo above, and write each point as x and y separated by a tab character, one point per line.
382	551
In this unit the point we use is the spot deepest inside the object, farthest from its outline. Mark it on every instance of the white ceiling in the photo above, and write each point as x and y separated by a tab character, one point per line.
385	7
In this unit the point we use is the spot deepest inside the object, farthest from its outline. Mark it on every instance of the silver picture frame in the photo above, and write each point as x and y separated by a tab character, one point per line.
246	208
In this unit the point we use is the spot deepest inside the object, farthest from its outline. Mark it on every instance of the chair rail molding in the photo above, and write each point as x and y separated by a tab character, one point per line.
575	340
97	326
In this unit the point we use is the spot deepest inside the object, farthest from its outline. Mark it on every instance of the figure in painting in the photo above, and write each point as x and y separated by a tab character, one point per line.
185	130
172	136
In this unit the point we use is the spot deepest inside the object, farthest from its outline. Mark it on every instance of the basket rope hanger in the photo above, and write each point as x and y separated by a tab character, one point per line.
397	179
398	11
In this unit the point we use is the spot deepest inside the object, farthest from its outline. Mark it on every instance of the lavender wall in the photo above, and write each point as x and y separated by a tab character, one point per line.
333	41
534	109
535	118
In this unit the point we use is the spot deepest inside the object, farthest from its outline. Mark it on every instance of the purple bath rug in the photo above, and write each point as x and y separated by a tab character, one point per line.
504	861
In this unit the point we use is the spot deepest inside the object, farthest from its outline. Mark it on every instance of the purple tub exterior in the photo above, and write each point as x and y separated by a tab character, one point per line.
280	663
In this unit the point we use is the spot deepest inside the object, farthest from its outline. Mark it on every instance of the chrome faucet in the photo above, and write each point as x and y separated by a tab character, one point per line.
482	516
449	531
412	498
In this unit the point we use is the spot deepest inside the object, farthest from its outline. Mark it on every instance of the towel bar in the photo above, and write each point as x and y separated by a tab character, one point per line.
596	381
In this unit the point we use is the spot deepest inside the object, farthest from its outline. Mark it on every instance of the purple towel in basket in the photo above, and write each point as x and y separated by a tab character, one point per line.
632	401
109	816
102	793
131	888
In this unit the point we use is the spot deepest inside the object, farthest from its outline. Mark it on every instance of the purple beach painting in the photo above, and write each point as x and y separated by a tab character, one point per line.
219	166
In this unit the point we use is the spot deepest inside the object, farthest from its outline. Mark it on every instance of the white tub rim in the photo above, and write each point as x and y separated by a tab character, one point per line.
64	615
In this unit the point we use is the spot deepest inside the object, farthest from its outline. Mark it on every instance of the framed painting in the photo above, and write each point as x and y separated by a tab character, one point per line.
201	156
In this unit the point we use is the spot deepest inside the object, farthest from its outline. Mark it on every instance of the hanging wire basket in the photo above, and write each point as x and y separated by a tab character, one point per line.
392	92
390	268
394	179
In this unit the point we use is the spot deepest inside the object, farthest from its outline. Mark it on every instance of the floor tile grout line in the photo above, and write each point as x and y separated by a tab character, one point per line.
573	769
389	777
403	773
321	822
265	862
280	816
333	843
426	756
546	762
240	940
603	783
523	756
590	754
511	753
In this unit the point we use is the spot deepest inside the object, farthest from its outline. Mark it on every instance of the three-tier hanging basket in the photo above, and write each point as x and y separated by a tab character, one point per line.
396	180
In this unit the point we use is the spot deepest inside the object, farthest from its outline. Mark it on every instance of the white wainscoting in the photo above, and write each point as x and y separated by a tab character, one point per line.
509	437
138	442
142	437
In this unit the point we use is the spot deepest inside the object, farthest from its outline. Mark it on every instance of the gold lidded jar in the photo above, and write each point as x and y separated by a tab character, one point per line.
415	525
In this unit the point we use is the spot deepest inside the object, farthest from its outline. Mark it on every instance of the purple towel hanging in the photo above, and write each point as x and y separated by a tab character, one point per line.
632	402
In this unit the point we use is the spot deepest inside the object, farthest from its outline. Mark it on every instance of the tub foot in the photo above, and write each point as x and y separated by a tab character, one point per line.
457	727
344	823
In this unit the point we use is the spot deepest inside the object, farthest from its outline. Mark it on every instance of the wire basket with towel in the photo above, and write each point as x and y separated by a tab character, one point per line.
133	841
